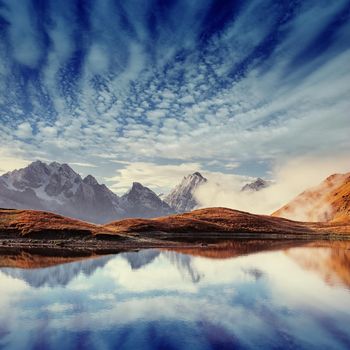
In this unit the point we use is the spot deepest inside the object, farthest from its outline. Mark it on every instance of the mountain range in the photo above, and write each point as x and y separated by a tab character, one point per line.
57	188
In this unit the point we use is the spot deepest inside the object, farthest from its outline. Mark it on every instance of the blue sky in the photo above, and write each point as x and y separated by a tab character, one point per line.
159	88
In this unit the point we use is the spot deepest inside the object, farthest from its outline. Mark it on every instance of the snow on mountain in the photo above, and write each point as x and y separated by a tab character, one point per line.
58	188
140	201
257	185
181	198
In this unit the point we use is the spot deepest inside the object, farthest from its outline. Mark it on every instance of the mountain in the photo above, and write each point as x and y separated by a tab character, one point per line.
142	202
329	201
58	188
257	185
181	198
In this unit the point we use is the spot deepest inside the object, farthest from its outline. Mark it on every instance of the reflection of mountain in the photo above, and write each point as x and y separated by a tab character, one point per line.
332	264
141	258
59	275
236	248
182	262
184	265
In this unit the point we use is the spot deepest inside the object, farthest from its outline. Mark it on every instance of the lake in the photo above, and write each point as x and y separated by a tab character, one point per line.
226	297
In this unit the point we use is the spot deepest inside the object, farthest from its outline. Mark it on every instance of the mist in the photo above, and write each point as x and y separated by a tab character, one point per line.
289	179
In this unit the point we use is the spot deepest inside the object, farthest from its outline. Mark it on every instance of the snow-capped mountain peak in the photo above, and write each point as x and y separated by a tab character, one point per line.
58	188
256	185
181	198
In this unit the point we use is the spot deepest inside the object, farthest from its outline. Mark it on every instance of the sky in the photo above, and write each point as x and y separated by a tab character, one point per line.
152	90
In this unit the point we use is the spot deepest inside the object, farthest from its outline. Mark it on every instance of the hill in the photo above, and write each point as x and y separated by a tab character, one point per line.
33	228
327	202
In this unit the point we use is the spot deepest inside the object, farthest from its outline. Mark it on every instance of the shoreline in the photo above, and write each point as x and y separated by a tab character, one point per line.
161	240
29	254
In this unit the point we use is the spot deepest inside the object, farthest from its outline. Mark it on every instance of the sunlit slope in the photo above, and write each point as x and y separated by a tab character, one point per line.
329	201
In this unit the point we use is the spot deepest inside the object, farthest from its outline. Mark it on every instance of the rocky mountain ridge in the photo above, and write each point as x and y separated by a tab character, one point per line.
256	185
58	188
182	197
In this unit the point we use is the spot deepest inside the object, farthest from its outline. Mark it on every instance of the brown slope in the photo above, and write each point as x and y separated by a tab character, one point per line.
30	223
329	201
211	220
197	225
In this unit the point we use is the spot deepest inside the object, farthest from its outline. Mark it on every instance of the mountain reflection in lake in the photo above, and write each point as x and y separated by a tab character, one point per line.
209	298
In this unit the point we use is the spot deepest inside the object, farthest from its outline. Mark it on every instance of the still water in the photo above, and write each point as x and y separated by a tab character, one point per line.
290	298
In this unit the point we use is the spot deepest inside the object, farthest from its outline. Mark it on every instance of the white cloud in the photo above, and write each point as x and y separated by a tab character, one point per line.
158	177
172	100
10	161
156	114
59	308
25	39
24	130
87	165
187	99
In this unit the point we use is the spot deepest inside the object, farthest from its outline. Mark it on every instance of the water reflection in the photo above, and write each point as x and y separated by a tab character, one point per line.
276	296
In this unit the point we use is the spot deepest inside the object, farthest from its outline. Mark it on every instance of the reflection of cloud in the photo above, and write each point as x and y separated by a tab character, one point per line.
57	307
13	290
102	296
229	299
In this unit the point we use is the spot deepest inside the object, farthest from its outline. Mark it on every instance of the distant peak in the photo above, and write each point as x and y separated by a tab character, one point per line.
37	163
55	164
256	185
196	177
90	180
198	174
138	190
137	186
